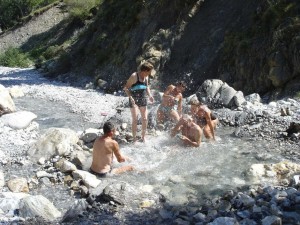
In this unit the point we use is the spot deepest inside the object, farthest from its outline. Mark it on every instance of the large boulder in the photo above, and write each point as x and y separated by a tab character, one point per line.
219	93
275	174
55	141
7	105
18	120
38	206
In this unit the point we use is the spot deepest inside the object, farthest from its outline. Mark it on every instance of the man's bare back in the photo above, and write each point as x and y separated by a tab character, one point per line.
103	150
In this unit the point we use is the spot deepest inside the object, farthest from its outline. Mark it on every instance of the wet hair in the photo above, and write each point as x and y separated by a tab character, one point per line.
187	117
108	127
194	101
146	66
181	83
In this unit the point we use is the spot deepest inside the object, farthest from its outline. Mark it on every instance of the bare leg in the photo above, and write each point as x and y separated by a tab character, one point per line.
134	121
122	169
144	115
160	117
174	116
206	130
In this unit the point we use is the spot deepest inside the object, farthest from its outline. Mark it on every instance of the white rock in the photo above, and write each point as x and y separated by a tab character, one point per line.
6	100
16	92
33	206
18	120
88	179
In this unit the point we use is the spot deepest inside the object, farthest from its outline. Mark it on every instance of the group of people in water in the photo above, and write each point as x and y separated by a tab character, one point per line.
187	127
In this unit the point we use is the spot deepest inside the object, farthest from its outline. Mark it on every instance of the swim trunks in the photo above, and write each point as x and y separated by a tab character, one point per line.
100	175
166	109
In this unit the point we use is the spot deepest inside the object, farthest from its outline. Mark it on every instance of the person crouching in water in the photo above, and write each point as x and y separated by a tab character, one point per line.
190	132
103	150
171	105
137	89
203	116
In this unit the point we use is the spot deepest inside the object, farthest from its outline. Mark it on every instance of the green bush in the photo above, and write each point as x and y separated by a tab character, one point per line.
13	57
81	9
11	11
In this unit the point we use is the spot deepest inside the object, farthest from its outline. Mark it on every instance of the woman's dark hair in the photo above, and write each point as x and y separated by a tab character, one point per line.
181	83
108	127
146	66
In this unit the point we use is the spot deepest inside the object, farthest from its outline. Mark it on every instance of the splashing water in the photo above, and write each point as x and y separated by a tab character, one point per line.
181	173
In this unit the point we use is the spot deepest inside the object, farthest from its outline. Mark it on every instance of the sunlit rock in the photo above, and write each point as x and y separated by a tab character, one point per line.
81	159
273	173
18	185
18	120
65	166
7	105
146	203
55	141
38	206
16	92
88	179
9	202
2	180
90	135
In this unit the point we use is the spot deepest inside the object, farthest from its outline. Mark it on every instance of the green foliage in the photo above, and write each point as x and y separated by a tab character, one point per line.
13	57
11	11
80	9
52	52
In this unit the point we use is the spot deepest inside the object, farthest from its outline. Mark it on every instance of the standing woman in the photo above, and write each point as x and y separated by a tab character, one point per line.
137	90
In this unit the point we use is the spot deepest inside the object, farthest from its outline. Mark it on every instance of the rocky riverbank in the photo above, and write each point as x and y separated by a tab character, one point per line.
48	169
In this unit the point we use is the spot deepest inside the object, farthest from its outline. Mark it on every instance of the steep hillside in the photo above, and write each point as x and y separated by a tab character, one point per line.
252	45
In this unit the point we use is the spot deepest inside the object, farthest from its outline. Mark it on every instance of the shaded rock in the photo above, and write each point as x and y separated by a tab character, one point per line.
224	221
74	211
293	128
271	220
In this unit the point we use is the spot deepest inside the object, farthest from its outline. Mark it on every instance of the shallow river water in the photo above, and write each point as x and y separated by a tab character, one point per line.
182	173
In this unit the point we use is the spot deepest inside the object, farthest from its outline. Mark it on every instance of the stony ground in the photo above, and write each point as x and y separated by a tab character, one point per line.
267	124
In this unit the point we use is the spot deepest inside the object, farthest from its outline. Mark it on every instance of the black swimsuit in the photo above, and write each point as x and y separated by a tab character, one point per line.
139	92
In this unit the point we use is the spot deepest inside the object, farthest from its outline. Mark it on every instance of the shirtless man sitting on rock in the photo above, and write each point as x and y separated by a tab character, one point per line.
171	105
190	132
103	150
203	116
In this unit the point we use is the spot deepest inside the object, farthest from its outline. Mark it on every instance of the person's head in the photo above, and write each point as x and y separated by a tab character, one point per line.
146	68
187	119
195	103
109	129
181	86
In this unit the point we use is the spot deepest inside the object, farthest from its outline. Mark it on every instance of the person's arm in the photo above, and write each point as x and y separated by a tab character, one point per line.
210	124
167	92
197	137
149	93
117	153
179	109
128	85
177	128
